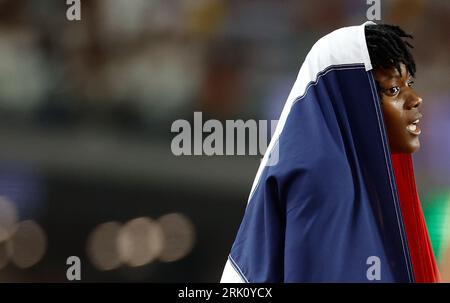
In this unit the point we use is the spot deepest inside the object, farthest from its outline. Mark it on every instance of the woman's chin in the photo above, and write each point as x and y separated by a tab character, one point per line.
409	147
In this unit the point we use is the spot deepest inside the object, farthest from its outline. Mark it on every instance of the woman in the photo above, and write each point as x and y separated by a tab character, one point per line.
340	204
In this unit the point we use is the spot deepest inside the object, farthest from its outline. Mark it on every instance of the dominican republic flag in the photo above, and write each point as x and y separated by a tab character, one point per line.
329	202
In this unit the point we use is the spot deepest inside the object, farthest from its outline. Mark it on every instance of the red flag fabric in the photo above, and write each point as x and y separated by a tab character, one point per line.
422	255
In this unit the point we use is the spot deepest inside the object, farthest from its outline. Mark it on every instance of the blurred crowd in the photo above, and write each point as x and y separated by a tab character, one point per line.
137	62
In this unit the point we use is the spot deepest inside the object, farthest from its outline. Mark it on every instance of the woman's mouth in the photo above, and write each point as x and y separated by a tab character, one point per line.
414	128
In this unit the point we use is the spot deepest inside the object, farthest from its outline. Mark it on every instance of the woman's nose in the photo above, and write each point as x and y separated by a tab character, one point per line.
414	101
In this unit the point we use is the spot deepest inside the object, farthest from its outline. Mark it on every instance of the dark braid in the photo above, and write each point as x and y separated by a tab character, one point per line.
388	47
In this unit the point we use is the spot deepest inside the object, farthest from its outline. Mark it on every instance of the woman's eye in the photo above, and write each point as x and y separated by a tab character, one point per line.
393	91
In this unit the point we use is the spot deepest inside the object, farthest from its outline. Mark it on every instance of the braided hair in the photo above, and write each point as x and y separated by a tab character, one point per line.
389	48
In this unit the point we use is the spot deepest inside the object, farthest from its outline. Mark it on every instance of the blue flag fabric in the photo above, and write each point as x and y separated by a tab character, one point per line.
324	205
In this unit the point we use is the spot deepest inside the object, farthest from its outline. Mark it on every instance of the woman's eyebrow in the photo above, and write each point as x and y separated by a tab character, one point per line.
389	79
397	76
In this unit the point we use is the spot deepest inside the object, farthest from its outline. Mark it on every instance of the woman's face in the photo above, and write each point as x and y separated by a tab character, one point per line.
401	109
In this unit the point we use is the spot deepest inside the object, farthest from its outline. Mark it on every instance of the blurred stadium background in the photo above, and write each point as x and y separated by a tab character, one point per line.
85	114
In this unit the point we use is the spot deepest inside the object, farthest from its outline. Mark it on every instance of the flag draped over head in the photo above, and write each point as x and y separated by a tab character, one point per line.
324	206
